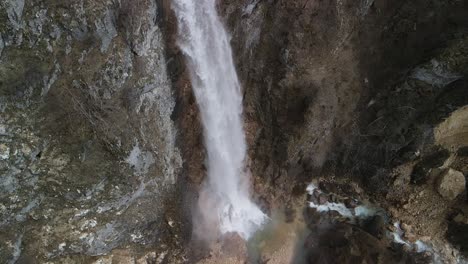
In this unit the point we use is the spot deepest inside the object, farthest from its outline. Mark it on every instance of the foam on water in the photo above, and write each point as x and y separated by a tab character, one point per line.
205	44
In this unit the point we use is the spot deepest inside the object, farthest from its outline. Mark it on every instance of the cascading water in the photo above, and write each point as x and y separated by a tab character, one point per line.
206	46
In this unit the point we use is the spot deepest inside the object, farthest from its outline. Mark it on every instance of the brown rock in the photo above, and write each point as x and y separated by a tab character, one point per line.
410	237
406	227
451	184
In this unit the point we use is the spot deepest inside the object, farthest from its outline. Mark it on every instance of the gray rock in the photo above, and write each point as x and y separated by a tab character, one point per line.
15	12
105	29
247	11
2	44
142	32
436	74
87	144
451	184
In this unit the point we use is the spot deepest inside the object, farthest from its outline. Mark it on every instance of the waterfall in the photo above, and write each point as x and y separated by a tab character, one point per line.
205	44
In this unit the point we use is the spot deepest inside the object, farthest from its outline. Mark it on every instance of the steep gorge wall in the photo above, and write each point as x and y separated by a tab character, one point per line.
357	92
316	73
89	159
100	138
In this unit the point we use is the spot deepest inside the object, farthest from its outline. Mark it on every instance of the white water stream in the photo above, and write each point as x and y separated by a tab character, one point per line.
205	43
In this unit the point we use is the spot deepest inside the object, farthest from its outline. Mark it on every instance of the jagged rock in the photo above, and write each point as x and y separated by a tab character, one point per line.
451	184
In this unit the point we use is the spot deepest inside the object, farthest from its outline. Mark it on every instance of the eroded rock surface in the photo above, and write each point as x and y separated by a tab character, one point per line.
369	92
100	141
88	154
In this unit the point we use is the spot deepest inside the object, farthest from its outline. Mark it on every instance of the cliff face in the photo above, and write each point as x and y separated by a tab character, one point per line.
88	154
356	92
317	74
100	142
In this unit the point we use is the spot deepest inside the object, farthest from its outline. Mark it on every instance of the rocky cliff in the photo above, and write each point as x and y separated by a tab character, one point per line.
101	150
359	92
88	153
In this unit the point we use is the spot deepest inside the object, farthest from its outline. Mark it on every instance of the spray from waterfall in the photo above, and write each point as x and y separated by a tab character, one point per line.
224	200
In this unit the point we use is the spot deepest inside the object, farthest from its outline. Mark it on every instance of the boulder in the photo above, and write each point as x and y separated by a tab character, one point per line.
451	184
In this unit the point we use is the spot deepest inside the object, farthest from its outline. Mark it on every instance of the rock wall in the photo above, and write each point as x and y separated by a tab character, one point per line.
101	149
88	154
311	68
356	92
